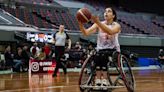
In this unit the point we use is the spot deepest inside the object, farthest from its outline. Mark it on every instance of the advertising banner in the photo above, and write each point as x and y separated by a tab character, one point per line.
42	66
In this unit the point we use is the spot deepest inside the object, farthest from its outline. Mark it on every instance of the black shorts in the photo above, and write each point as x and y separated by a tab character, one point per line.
102	58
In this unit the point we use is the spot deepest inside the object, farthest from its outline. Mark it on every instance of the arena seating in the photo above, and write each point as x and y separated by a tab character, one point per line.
158	22
35	1
139	23
50	18
131	21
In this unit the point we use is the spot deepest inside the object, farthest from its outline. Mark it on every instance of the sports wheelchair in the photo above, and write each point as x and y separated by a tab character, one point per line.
117	66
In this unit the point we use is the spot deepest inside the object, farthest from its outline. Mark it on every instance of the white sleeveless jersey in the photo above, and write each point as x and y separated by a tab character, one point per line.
105	41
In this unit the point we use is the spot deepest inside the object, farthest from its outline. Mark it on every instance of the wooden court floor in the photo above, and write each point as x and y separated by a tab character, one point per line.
146	81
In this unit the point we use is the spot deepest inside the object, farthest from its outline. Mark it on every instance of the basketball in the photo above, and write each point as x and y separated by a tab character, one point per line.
83	15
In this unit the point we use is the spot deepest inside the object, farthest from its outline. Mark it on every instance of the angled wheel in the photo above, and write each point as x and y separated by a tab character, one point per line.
87	74
112	71
126	73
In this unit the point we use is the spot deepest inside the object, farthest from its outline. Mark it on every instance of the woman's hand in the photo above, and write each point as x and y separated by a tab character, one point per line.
80	23
95	19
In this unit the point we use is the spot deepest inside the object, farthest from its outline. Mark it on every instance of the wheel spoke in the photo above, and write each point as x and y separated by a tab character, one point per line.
127	74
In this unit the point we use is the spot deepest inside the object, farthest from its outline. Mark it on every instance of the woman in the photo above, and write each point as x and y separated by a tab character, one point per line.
60	39
107	38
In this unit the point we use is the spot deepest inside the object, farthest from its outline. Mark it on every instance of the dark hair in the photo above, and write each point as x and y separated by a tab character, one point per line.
114	13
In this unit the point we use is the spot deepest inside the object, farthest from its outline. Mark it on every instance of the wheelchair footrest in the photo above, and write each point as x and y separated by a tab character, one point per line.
101	87
114	74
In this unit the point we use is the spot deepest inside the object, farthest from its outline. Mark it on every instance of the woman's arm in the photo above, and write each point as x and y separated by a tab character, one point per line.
88	31
115	29
69	43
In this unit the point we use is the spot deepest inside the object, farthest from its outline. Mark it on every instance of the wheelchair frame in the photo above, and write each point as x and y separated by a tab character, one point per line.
121	69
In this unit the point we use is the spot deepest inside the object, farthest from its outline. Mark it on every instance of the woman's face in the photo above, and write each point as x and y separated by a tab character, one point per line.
108	14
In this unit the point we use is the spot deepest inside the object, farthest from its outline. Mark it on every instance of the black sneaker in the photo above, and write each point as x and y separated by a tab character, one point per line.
65	71
54	75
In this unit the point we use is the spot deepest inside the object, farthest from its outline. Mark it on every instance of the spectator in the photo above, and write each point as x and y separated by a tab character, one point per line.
77	46
9	57
42	54
161	56
18	60
25	57
47	50
34	50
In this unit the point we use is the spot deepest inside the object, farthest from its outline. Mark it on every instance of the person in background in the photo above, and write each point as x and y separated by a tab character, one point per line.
34	50
60	38
42	54
47	50
9	56
161	56
77	46
18	60
25	57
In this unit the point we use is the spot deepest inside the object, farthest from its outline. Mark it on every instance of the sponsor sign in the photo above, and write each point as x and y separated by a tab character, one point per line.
42	66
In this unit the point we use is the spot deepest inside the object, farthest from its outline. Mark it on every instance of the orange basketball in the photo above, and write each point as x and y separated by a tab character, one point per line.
83	15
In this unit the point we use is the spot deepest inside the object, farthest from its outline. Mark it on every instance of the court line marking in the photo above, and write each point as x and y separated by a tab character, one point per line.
159	81
51	87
